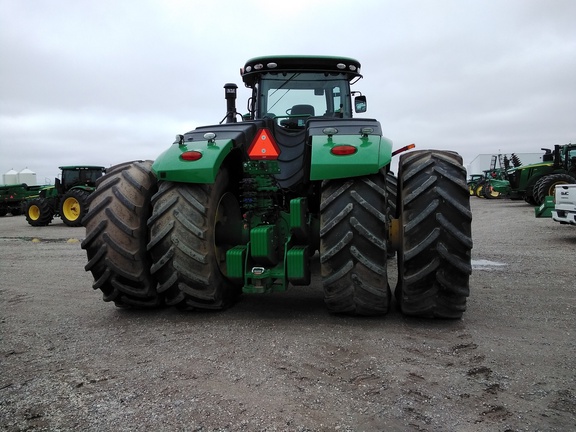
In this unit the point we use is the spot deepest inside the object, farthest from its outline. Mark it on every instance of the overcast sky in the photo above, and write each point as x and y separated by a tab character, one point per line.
102	82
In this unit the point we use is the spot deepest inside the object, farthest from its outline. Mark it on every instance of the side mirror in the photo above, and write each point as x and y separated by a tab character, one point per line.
360	104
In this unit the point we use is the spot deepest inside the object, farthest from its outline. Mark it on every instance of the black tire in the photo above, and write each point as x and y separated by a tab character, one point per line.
73	207
535	190
188	255
479	192
391	201
353	243
3	212
39	212
489	192
546	186
117	235
392	191
434	264
529	195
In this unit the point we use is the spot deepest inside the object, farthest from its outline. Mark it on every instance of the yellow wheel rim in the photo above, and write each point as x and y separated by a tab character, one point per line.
34	212
493	193
71	209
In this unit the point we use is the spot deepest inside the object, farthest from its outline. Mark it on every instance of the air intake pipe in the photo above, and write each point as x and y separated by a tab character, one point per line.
230	95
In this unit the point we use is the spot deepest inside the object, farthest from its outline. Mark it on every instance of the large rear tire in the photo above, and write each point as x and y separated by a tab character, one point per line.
546	186
189	254
353	243
117	235
391	201
74	206
434	264
39	212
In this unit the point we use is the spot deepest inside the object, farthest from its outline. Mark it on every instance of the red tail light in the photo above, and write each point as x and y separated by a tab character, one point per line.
191	155
343	150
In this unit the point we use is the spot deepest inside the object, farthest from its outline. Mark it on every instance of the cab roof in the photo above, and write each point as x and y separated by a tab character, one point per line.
324	64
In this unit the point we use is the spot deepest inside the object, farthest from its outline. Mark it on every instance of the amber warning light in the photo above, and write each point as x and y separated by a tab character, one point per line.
263	146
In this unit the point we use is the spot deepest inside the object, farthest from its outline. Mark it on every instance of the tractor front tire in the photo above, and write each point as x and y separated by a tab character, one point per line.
434	263
353	245
73	207
117	235
188	254
39	212
489	192
479	191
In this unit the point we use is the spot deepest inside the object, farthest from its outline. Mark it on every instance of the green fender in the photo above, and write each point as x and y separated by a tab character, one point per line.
170	166
373	153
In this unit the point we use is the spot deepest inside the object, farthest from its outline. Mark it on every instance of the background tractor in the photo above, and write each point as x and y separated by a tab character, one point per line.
246	205
536	181
474	180
67	198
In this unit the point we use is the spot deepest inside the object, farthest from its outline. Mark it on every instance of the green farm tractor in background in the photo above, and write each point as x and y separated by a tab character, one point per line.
247	205
535	182
474	183
67	198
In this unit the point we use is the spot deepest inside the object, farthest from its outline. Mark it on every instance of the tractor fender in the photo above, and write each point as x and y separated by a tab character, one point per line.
171	165
212	143
369	150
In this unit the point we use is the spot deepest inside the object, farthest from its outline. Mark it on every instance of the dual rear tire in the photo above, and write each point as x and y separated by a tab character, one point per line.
117	235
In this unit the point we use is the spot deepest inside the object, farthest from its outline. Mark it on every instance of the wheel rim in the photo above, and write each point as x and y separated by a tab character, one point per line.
71	209
493	193
227	228
34	212
552	190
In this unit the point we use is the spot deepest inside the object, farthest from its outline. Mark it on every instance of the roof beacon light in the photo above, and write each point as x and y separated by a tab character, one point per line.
263	146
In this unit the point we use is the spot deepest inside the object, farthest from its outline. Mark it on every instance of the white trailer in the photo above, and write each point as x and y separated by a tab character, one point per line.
565	204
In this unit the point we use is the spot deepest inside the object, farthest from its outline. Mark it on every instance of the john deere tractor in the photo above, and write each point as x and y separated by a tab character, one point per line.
535	182
246	205
67	198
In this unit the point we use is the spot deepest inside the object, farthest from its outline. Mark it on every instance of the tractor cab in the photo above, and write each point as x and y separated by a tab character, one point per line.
292	89
79	175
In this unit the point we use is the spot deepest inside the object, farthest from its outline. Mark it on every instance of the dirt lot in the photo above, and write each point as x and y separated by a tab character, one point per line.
280	362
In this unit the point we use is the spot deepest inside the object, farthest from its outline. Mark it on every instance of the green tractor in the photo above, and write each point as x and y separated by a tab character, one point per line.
474	182
247	205
67	198
499	166
536	181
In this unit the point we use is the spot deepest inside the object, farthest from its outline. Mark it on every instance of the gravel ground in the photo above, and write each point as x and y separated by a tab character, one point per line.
280	362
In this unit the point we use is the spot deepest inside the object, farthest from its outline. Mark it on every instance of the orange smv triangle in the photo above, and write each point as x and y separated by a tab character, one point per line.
263	146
